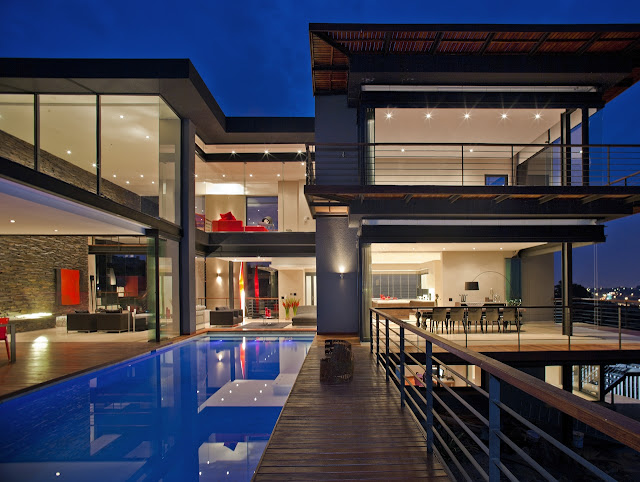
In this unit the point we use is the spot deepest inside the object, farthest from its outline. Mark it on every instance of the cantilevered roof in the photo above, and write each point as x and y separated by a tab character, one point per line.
345	56
176	80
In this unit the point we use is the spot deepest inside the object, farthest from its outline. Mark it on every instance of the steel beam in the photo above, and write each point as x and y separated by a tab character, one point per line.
567	289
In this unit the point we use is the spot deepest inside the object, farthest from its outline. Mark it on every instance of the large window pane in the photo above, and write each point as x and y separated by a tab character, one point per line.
141	154
169	289
68	139
16	128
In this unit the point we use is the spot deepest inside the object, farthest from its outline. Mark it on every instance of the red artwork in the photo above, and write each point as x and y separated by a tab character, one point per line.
69	284
131	286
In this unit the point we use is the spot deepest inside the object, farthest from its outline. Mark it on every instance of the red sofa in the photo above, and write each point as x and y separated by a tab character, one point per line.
228	222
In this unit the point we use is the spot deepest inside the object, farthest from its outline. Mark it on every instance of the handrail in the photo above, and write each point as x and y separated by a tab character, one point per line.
624	178
503	144
618	427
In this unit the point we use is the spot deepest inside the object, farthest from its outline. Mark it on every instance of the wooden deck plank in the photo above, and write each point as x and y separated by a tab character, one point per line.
354	431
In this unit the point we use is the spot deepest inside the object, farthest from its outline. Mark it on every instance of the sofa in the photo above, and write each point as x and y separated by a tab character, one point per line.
98	321
307	315
228	222
223	315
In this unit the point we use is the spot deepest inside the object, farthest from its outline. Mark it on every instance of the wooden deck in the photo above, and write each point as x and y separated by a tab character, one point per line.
355	431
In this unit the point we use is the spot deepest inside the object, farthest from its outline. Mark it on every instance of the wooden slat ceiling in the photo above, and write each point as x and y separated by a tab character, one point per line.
332	49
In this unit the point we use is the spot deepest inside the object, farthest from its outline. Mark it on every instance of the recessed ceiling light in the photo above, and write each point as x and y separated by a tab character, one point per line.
233	152
402	150
114	175
427	115
55	230
121	116
474	249
538	116
500	249
68	152
467	115
127	182
196	175
443	249
224	175
470	150
13	220
146	137
153	182
266	151
142	175
299	152
389	115
278	175
250	175
94	165
503	116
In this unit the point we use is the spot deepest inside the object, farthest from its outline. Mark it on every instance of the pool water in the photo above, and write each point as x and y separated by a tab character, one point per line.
200	410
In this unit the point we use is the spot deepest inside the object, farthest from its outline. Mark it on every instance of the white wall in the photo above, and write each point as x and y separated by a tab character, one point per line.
461	266
290	283
537	286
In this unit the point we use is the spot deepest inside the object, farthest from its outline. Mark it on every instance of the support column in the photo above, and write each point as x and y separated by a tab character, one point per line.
337	274
231	300
585	149
567	288
188	222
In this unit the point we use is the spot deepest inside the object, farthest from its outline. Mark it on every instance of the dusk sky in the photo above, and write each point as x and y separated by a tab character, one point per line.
254	57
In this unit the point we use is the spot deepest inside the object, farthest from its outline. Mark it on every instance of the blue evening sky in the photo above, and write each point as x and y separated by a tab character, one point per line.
254	57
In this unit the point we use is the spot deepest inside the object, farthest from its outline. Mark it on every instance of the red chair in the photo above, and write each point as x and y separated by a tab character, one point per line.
3	334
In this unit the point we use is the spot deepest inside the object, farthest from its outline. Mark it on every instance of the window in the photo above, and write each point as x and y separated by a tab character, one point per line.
496	180
263	211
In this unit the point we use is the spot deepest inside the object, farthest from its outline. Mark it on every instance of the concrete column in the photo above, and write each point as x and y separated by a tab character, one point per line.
567	289
336	249
188	222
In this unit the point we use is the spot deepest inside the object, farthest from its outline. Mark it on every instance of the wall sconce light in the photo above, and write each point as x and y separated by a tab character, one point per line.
341	272
219	278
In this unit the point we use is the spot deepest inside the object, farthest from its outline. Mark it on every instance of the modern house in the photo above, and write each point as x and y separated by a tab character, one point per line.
440	155
444	167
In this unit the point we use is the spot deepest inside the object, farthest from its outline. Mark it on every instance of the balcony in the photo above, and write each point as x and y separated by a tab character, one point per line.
595	181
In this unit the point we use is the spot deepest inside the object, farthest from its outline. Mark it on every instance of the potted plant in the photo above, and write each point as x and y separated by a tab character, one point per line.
290	303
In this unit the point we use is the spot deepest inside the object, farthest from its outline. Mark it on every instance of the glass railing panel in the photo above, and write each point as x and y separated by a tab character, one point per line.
17	128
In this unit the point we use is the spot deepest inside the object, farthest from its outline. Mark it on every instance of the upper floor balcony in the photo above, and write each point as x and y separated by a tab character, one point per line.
493	180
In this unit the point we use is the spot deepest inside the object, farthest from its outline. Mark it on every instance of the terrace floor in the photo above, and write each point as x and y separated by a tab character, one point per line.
352	431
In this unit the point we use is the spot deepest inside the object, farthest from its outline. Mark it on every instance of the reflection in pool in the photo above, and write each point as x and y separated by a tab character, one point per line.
200	410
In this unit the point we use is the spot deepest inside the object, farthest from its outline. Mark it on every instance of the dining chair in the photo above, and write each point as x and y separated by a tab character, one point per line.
457	314
510	316
474	315
439	315
492	317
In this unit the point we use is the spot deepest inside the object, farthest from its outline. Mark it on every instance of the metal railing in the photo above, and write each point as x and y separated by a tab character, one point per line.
618	314
474	164
482	439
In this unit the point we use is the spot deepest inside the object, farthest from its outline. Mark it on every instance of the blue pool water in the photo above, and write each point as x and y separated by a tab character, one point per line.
200	410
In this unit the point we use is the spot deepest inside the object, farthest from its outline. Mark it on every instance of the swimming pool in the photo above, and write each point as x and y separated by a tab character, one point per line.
199	410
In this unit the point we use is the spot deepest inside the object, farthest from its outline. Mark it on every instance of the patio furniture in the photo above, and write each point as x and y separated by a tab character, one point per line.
82	322
223	315
112	321
307	315
492	316
3	335
337	366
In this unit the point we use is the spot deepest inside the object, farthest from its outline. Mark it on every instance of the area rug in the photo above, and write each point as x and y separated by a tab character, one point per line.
257	325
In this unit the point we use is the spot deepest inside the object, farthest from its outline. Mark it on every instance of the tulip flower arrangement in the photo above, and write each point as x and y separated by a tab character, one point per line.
290	303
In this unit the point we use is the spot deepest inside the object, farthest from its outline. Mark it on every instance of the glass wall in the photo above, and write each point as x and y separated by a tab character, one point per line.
249	192
68	146
140	140
166	278
16	128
